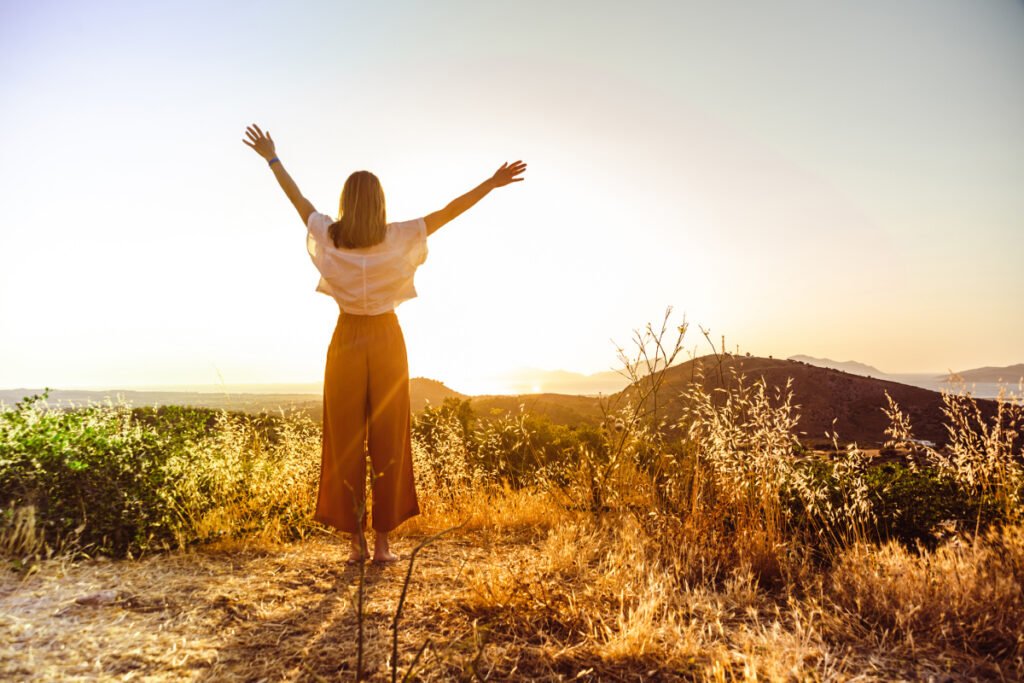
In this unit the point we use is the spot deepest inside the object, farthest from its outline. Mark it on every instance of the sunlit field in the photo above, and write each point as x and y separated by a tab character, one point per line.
501	204
178	543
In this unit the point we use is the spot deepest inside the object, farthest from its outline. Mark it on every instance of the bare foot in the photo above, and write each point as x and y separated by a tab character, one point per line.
386	557
358	553
381	552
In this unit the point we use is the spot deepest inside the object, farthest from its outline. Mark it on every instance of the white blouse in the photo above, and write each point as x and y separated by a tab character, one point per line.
368	280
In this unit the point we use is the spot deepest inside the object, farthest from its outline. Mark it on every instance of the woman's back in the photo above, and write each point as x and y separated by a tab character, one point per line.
368	280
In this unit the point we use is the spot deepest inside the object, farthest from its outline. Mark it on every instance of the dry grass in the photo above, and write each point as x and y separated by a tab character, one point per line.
695	551
582	597
963	602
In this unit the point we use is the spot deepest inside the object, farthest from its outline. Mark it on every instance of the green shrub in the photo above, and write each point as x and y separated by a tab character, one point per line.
517	448
93	475
915	506
109	479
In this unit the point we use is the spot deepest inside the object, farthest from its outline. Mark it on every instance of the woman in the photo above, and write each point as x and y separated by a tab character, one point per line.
367	265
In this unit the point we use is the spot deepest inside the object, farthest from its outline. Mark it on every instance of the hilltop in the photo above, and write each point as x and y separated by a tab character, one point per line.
823	395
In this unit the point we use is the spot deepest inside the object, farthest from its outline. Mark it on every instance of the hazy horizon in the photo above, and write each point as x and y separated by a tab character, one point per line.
528	381
840	180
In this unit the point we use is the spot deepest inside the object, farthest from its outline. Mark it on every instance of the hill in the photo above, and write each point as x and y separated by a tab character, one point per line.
823	394
855	402
423	391
1010	374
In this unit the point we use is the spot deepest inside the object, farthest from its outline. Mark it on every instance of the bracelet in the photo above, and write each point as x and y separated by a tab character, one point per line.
271	161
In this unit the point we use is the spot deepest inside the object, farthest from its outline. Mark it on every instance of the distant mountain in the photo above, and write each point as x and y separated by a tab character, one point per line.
851	366
421	390
1010	374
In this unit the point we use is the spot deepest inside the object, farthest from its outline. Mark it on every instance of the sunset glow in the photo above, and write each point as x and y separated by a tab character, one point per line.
811	185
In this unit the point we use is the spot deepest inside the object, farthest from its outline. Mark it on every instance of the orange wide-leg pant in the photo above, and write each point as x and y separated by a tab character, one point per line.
366	408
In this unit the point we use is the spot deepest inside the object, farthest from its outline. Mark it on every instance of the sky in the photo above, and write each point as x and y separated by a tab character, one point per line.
835	179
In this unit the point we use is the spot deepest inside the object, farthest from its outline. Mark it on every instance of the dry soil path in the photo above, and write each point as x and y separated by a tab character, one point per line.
286	613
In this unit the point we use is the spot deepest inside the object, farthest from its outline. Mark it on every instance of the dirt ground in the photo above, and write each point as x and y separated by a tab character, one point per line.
285	613
484	604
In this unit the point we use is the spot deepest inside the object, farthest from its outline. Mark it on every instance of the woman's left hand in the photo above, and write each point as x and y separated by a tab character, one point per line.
260	141
508	174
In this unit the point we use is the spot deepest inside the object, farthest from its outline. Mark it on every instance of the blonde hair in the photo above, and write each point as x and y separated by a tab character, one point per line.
361	214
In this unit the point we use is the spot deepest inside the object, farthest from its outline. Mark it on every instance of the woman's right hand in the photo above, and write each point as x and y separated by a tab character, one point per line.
261	142
507	174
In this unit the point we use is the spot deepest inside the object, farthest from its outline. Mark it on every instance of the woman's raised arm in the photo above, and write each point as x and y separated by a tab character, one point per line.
264	146
503	176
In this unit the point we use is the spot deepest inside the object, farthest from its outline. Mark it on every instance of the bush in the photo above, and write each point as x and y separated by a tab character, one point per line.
521	449
93	475
918	507
108	479
915	507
